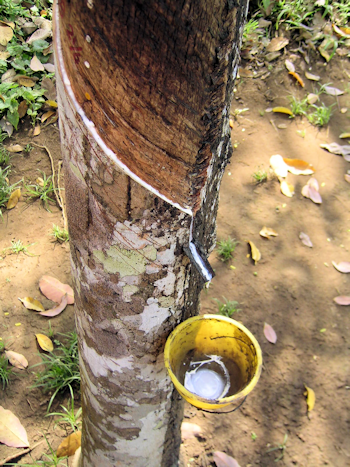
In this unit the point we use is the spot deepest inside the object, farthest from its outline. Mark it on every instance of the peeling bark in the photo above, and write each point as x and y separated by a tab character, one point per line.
144	92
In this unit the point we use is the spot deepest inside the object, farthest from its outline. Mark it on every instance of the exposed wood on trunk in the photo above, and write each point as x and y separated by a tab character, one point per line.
156	79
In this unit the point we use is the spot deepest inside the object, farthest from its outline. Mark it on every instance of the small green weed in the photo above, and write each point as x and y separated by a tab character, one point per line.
249	28
41	190
253	435
281	447
5	188
50	460
68	417
226	249
17	247
5	371
260	176
28	148
60	235
61	368
298	107
227	308
321	115
4	156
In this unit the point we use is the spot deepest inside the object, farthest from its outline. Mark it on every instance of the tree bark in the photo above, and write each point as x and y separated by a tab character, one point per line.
144	92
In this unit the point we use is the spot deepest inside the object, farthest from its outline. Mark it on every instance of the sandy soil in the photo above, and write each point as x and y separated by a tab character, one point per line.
291	288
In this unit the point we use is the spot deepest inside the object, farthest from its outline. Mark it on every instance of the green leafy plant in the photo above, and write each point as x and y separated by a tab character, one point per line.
226	249
18	247
281	447
41	190
5	371
260	176
68	416
227	307
60	235
249	28
321	115
61	368
298	107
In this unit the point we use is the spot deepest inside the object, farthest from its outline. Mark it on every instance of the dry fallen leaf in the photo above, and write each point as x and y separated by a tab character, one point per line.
287	189
52	104
69	445
15	148
312	77
22	109
32	304
298	78
190	430
54	290
6	34
278	165
270	333
331	91
58	309
310	398
299	167
267	232
36	65
343	267
344	135
337	149
40	34
47	115
347	178
49	67
223	460
256	255
277	43
16	359
305	239
26	82
36	131
342	300
12	432
283	110
44	342
312	98
13	200
290	66
310	190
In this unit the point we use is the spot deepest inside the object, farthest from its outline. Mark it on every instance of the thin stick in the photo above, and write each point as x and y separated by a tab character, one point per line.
21	453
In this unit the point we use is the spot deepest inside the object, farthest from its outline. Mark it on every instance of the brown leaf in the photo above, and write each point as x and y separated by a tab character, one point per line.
32	304
314	195
25	81
267	232
310	398
342	300
287	189
305	239
44	342
15	148
343	267
40	34
223	460
13	200
270	333
299	167
6	34
256	255
16	359
36	131
4	55
22	109
336	148
277	43
12	432
69	445
50	87
54	290
58	309
190	430
345	135
36	65
49	67
47	115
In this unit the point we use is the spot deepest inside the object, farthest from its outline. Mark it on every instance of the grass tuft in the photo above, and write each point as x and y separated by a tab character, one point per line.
226	249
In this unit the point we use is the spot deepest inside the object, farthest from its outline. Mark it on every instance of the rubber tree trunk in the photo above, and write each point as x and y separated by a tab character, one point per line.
144	92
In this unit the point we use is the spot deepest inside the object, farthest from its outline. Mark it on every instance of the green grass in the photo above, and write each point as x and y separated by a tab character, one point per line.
48	460
227	307
297	106
60	235
226	248
321	115
260	176
61	368
68	417
17	247
5	371
41	190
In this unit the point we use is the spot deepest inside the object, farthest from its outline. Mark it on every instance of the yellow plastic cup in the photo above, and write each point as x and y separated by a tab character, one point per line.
214	335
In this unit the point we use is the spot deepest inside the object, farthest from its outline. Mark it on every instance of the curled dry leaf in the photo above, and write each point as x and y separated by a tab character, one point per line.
44	342
36	131
340	32
190	430
314	195
343	267
299	167
287	189
58	309
331	91
13	199
305	239
310	190
40	34
270	333
290	66
26	82
223	460
337	149
310	398
52	104
283	110
342	300
49	67
36	65
32	304
298	78
344	135
16	359
69	445
15	148
12	432
47	115
277	43
267	232
312	77
256	255
54	290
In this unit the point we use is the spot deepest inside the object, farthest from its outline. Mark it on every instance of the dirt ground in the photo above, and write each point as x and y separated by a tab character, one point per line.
291	288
